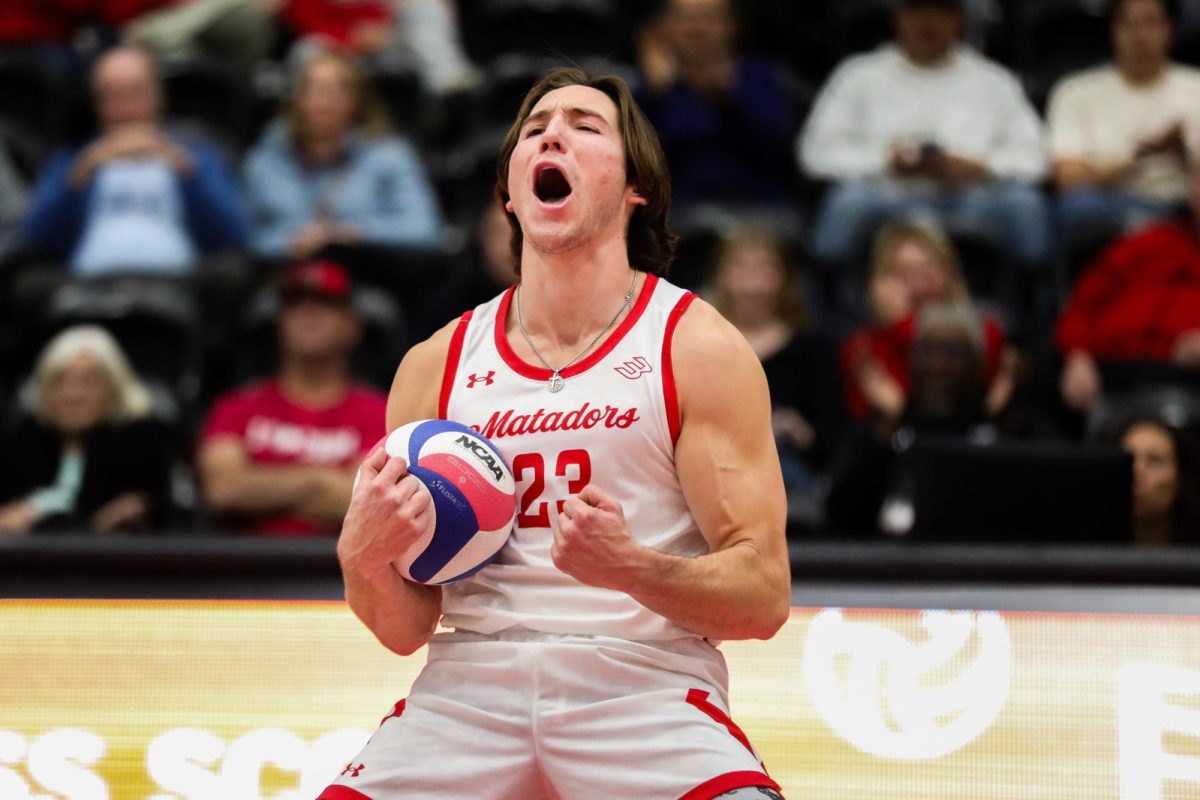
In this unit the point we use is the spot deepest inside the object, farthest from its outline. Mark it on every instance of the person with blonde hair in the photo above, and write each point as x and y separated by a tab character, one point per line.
914	265
86	452
328	172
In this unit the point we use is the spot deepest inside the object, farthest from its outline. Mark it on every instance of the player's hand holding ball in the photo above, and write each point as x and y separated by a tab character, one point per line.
437	502
592	543
388	513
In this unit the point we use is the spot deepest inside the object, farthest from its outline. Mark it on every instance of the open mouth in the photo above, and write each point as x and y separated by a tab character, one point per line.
551	185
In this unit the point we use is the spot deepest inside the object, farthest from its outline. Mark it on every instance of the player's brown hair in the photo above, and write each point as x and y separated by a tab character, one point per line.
651	246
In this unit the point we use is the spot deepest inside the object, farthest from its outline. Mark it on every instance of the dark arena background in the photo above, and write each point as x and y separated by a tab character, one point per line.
961	236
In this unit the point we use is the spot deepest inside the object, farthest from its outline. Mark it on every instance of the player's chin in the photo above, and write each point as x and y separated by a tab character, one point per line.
551	238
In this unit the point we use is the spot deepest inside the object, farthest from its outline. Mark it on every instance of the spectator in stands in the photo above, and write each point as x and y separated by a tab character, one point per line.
1122	135
914	266
754	287
1166	487
85	452
1139	301
234	30
926	124
358	27
946	395
279	457
133	199
725	119
328	173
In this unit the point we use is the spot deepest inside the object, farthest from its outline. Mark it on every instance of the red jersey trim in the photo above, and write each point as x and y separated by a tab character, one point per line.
724	783
452	359
670	393
342	793
539	373
397	710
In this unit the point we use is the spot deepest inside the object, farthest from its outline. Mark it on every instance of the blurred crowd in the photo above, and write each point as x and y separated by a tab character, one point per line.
963	223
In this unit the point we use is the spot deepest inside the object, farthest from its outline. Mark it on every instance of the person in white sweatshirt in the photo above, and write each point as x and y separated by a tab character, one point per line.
926	126
1122	135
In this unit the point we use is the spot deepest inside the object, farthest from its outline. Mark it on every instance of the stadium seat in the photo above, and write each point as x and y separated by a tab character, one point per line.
1056	38
985	268
209	99
565	28
30	101
1177	404
24	148
401	95
863	24
156	321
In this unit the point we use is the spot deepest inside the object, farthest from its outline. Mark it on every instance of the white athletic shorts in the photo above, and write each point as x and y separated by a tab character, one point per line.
529	716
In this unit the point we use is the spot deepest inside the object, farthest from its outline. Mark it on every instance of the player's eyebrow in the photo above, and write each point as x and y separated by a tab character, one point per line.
575	111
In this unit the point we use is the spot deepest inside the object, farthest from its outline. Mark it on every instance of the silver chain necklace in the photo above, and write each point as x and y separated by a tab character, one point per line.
556	382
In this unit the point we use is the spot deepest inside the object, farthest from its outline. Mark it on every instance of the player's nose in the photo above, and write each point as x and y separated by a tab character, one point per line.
552	135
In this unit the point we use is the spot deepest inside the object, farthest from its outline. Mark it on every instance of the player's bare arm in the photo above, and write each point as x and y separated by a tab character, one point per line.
729	470
387	514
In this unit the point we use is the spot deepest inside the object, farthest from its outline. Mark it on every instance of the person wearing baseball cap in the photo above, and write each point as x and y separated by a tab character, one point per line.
278	457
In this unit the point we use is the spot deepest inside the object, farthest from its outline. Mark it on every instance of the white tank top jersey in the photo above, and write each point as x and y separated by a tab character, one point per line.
613	424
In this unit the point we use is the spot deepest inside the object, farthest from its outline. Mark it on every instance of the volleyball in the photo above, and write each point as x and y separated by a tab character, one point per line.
474	499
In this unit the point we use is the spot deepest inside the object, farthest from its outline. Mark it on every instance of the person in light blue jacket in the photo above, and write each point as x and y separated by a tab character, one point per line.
327	172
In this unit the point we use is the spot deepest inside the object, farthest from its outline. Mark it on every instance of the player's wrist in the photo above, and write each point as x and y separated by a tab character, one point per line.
642	566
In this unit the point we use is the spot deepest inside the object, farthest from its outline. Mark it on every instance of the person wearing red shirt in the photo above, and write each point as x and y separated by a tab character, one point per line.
914	265
1140	301
279	457
359	26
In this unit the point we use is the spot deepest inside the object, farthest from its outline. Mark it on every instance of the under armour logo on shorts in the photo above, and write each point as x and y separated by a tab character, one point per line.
353	770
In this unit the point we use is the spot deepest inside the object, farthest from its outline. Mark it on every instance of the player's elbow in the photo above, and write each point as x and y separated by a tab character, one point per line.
406	647
768	619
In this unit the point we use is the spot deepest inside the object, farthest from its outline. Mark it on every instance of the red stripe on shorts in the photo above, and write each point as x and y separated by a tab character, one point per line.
342	793
725	783
699	699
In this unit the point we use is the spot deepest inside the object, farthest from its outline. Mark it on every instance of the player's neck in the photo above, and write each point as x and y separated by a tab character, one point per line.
566	298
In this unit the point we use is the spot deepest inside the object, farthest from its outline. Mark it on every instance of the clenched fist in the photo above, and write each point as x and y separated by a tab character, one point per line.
593	544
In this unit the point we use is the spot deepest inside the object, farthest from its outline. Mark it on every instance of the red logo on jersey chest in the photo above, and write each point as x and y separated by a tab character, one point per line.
632	370
486	380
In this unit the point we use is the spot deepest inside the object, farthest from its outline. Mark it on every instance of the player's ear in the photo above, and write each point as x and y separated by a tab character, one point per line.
508	206
634	198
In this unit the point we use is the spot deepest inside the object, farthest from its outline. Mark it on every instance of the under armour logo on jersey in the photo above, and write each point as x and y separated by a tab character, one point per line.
486	380
634	369
352	770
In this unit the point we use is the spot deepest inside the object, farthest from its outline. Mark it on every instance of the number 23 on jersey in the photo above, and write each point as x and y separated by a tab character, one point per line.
530	471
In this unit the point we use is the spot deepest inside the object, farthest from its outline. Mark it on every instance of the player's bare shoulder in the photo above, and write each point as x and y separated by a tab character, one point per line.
714	365
415	389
